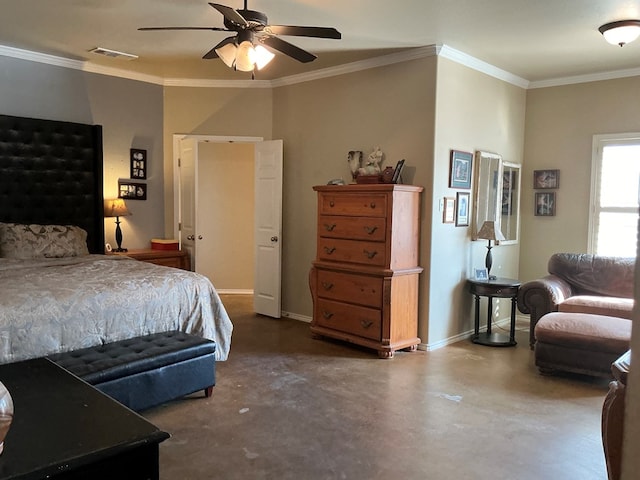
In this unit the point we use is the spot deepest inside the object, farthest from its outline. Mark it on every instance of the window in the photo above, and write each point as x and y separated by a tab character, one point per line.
613	222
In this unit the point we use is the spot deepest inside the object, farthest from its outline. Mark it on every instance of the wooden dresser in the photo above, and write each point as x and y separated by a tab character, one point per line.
364	281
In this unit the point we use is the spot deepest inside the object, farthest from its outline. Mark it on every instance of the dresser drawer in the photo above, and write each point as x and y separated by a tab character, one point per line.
349	287
353	251
371	204
357	228
362	321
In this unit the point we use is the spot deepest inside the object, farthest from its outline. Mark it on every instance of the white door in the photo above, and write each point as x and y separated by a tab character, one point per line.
187	173
268	228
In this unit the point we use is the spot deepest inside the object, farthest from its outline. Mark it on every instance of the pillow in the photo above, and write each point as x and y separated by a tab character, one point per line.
42	241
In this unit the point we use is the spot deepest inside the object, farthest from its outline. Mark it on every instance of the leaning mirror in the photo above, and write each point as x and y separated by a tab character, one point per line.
487	190
510	203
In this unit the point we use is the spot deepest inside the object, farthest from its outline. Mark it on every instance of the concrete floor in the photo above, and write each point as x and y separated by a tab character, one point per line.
287	406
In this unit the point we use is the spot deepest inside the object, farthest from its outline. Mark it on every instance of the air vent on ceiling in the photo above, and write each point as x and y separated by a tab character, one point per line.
113	53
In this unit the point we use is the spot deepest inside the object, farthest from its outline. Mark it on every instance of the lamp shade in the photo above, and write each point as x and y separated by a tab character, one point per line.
115	208
488	231
620	32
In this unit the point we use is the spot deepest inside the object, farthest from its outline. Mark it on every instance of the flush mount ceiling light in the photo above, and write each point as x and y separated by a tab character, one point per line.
621	32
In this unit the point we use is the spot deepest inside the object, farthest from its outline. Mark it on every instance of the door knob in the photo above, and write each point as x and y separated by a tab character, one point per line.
274	238
199	237
191	237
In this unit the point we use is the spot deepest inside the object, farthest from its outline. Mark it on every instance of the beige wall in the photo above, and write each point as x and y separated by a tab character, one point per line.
211	111
226	171
560	124
320	121
473	112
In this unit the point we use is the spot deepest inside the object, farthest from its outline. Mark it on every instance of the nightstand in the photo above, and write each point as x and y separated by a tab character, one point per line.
167	258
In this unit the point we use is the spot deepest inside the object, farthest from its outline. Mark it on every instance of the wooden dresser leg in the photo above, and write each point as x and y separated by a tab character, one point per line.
208	391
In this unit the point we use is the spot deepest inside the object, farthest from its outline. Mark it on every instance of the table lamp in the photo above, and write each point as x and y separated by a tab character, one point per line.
116	208
489	232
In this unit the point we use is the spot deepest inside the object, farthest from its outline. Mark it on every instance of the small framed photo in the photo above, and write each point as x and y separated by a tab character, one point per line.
462	209
546	179
449	210
545	204
481	274
398	171
460	170
138	159
132	190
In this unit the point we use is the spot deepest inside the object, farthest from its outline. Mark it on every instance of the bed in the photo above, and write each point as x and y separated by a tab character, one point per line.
58	291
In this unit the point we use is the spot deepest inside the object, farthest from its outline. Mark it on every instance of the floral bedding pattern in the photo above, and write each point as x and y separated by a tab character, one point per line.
54	305
42	241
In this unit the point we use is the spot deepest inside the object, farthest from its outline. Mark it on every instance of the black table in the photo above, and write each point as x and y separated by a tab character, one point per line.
500	288
63	428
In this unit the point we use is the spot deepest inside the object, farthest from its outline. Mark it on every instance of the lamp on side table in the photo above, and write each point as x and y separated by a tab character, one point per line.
117	208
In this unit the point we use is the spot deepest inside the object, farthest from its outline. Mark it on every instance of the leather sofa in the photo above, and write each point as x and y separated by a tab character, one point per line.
582	284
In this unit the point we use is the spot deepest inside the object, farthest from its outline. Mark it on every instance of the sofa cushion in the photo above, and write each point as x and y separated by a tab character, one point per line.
597	305
585	331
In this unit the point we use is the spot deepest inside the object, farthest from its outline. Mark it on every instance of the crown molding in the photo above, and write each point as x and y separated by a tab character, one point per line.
594	77
76	64
415	53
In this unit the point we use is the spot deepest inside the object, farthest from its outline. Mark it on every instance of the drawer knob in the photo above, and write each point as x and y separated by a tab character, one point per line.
371	230
329	228
327	315
327	285
329	250
331	204
366	323
369	254
372	204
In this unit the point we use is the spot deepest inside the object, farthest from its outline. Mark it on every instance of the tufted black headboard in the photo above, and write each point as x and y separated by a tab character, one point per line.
51	173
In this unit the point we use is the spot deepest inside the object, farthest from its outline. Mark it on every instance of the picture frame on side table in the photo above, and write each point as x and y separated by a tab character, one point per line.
460	169
481	274
462	209
545	204
546	179
449	210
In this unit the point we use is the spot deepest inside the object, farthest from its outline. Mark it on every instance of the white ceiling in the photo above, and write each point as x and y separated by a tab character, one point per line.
536	40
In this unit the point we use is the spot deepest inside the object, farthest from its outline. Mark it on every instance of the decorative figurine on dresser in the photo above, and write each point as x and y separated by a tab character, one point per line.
364	281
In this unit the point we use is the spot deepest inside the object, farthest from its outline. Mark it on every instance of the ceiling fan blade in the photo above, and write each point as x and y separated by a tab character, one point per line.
230	14
212	53
288	49
216	29
296	31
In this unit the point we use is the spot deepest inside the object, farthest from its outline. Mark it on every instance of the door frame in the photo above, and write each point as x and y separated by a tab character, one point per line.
176	150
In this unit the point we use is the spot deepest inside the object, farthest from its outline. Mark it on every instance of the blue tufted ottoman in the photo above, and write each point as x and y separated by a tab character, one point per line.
146	371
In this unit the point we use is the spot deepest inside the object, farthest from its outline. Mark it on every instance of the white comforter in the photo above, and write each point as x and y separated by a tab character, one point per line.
55	305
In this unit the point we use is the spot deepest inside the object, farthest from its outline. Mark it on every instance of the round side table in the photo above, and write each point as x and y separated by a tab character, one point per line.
495	288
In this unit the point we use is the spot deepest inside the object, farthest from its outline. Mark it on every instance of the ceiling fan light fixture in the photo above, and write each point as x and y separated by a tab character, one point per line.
245	57
227	54
620	32
262	57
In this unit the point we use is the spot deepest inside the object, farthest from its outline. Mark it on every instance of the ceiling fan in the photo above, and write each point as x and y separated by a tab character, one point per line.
238	51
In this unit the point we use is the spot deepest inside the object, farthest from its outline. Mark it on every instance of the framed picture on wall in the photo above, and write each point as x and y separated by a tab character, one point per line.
132	190
546	179
449	210
138	160
462	209
545	204
460	169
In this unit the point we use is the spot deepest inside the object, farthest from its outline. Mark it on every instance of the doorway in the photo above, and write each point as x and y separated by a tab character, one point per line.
228	211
